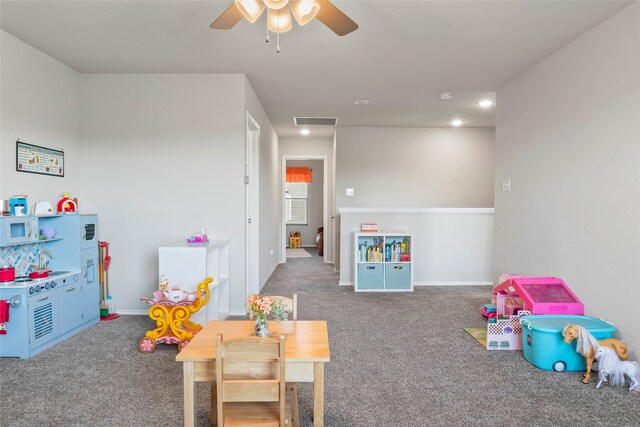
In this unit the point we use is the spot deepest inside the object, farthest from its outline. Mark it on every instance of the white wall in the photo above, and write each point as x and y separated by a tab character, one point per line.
427	167
314	201
305	146
40	104
270	205
162	157
449	246
568	136
412	167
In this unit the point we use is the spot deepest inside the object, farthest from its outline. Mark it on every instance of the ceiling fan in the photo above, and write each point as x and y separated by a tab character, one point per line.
279	15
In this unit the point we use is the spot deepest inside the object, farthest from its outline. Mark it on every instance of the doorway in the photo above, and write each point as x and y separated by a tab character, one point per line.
304	207
252	203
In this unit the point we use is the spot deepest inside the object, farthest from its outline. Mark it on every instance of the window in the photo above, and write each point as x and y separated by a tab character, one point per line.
295	204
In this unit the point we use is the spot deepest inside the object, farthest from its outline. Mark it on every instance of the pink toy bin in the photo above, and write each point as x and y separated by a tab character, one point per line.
541	295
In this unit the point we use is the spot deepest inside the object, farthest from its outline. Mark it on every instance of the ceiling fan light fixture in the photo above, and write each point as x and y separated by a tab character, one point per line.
304	10
279	21
276	4
250	9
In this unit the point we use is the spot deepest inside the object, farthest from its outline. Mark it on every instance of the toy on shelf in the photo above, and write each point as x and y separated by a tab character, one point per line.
295	240
18	205
489	311
199	238
587	345
613	370
539	295
171	309
67	205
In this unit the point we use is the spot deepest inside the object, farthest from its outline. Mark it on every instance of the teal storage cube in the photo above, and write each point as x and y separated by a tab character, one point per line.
543	344
397	276
370	276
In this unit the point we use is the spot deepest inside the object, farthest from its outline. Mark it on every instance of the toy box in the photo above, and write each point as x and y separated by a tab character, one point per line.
505	334
540	295
544	346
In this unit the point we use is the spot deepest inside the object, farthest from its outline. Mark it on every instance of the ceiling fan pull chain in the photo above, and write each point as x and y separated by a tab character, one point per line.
267	40
278	35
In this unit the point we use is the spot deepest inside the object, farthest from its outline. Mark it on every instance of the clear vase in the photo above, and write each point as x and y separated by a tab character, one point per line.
262	327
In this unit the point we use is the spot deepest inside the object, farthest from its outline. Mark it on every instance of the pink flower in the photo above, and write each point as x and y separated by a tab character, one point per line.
146	345
260	305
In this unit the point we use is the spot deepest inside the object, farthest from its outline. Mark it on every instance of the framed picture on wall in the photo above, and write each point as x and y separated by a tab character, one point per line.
41	160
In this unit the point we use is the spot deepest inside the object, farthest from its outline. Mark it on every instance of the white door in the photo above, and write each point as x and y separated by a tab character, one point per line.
252	199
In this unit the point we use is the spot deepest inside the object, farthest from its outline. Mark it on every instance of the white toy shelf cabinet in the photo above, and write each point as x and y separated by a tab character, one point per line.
383	262
187	264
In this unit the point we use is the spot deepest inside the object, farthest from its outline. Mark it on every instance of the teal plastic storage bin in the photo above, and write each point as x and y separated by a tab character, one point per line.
543	344
370	276
397	276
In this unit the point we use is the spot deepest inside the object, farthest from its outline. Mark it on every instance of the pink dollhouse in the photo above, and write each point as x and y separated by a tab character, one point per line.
539	295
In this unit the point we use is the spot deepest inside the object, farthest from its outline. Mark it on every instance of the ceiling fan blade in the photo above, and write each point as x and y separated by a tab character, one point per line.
335	19
228	19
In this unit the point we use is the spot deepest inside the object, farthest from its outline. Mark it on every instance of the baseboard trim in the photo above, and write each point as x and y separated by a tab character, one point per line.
238	313
471	283
133	312
341	283
264	282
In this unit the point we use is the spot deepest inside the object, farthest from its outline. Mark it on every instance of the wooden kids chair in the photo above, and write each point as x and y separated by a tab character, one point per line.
251	389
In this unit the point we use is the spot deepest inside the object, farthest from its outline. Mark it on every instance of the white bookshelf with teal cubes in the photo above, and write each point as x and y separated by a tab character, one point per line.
383	262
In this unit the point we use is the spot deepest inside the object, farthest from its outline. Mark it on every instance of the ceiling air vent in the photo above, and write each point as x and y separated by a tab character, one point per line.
315	121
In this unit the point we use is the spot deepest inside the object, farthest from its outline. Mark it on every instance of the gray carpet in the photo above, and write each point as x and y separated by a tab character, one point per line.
396	360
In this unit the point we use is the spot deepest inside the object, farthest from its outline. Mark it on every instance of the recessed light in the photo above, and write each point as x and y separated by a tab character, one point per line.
456	122
362	102
485	103
446	95
305	131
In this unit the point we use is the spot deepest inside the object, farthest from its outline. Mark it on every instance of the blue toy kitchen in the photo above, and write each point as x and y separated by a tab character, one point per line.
54	293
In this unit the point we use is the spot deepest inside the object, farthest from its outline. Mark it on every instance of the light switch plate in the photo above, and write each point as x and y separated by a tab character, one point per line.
350	192
506	184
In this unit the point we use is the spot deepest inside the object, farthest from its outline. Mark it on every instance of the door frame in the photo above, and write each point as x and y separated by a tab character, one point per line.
325	180
252	206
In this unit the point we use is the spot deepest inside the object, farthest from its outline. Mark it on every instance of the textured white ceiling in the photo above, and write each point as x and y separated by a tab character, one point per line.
404	54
